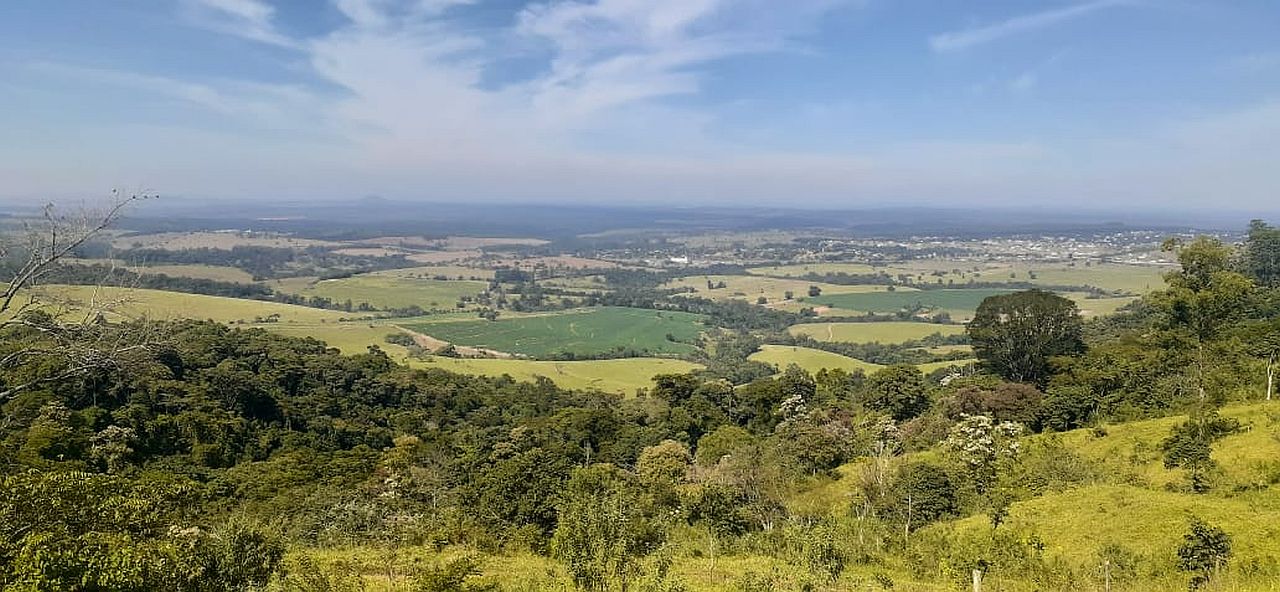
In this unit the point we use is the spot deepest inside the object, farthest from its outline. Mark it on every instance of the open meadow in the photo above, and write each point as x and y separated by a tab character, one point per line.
623	376
877	332
162	305
386	290
774	290
811	360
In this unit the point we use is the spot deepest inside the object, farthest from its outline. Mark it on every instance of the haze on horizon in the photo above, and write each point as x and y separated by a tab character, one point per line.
823	103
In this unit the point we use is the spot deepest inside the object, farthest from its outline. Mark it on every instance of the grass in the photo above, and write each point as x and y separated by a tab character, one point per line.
1111	277
160	305
884	332
452	272
583	331
616	376
751	287
386	291
811	360
208	272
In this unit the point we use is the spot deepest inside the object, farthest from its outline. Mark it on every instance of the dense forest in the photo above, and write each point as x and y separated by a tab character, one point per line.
193	456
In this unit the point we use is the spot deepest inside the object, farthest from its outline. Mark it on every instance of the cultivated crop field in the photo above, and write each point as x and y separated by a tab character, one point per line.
956	301
885	332
583	332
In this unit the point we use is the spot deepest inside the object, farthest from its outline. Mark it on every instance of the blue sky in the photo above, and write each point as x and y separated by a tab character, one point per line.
825	103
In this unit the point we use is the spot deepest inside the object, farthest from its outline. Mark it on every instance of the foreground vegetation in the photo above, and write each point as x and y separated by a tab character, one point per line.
143	455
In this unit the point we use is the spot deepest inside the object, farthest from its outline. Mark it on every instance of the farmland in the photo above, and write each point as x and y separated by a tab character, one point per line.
580	332
751	287
614	376
1110	277
159	304
811	360
386	290
880	332
960	302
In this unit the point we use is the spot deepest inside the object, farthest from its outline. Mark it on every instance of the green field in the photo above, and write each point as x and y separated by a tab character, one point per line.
884	332
811	360
386	291
959	302
582	331
616	376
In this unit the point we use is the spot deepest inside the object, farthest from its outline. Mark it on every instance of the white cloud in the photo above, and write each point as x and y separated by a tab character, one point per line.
966	38
251	19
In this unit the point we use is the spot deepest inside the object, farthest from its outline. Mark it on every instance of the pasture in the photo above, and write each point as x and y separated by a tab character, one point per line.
614	376
164	305
751	287
883	332
386	291
811	360
584	332
209	272
1115	278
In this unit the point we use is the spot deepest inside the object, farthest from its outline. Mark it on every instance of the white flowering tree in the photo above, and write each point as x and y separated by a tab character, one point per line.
986	449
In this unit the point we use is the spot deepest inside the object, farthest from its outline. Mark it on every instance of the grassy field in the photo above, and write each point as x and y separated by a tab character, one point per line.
751	287
812	360
959	303
158	304
1094	307
583	331
615	376
208	272
385	291
452	272
1111	277
885	332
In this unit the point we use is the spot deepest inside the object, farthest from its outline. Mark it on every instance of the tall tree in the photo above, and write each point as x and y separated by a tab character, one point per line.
1262	254
1015	335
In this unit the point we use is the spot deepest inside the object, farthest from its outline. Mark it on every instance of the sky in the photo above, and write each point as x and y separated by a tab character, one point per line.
1172	104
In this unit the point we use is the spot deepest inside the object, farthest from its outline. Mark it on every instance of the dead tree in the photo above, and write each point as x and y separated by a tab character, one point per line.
35	325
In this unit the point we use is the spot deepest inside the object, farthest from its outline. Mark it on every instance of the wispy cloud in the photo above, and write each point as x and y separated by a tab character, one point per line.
966	38
251	19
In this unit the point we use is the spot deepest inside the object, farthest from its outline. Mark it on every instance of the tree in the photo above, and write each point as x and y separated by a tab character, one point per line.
1262	254
663	466
602	533
897	390
1190	446
1204	301
1016	335
720	443
814	291
68	337
920	494
1204	551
